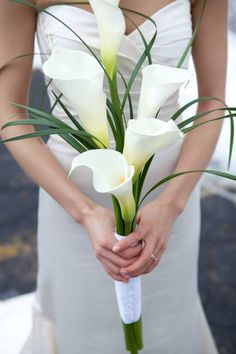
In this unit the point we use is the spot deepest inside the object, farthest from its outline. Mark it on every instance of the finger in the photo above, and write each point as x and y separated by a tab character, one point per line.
114	272
116	259
155	263
133	238
131	252
141	264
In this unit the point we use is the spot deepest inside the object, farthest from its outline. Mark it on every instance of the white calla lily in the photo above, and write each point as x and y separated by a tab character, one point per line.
79	77
159	82
111	174
111	28
146	136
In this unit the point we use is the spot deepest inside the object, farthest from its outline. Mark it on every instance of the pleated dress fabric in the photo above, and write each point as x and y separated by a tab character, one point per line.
75	310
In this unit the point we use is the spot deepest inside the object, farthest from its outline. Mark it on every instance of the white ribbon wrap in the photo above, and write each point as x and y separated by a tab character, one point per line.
128	296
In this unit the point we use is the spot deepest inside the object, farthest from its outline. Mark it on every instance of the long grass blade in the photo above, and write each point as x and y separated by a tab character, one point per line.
196	125
168	178
209	98
182	59
136	70
200	115
42	9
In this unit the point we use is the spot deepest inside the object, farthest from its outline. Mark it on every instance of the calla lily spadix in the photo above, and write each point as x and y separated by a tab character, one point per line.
159	82
111	174
146	136
111	28
79	77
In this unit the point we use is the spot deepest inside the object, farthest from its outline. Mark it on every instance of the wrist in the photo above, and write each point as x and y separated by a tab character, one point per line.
79	206
173	202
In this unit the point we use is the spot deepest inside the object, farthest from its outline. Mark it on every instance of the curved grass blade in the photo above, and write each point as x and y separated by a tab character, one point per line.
83	140
111	124
209	98
55	103
182	59
168	178
44	95
196	125
69	115
231	142
149	56
82	135
42	9
136	70
117	126
21	56
200	115
142	178
131	112
41	121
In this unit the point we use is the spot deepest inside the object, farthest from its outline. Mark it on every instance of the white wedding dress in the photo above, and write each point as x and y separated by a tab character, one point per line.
75	310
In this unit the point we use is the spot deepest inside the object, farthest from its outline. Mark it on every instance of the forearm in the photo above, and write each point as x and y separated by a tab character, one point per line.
42	167
197	150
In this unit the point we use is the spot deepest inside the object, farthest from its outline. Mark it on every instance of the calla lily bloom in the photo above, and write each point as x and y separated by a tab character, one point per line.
159	82
146	136
79	77
111	28
111	174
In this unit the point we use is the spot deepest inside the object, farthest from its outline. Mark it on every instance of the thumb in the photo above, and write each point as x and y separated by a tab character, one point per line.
132	239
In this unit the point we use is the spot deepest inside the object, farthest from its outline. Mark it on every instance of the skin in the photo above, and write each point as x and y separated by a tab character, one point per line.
119	259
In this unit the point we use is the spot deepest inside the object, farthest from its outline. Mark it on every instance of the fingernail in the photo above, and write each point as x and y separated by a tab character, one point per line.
123	272
133	244
115	248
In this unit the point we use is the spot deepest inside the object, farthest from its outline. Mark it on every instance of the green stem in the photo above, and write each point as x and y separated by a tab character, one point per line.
120	228
118	113
128	227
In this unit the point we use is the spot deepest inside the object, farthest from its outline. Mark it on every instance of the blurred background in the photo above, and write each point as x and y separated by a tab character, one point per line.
217	265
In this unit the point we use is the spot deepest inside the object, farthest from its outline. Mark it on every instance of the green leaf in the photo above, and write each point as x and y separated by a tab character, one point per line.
168	178
120	228
129	100
68	113
149	56
191	103
55	103
200	115
196	125
231	142
182	59
143	177
42	9
44	95
136	70
229	109
30	122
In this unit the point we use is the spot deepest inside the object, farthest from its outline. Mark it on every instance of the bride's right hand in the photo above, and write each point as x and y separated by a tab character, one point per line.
100	226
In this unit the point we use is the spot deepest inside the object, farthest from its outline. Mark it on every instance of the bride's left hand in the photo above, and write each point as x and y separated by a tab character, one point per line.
154	223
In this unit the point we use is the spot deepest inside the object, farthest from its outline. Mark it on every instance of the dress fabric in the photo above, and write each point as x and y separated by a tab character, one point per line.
75	310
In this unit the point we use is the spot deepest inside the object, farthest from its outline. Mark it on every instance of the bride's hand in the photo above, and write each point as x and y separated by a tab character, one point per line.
100	227
154	222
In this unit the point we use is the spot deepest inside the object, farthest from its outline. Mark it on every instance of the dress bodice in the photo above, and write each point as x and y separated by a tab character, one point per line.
174	30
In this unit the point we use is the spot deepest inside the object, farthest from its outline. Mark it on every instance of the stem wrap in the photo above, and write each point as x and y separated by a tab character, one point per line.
128	296
129	303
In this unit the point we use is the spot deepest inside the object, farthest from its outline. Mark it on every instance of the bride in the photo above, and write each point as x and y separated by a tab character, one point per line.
75	309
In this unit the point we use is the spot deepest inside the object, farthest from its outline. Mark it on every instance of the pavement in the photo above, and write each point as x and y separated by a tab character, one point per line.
18	252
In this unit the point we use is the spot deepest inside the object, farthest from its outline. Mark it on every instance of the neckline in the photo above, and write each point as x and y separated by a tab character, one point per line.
132	33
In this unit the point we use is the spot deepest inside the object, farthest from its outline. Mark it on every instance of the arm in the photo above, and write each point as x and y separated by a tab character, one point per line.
210	57
17	28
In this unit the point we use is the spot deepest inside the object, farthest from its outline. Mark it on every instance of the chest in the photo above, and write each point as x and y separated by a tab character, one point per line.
146	7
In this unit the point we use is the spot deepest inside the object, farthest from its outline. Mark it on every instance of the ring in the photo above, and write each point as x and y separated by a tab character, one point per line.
153	257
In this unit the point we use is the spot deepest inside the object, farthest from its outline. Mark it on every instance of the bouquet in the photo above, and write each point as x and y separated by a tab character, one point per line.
121	172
